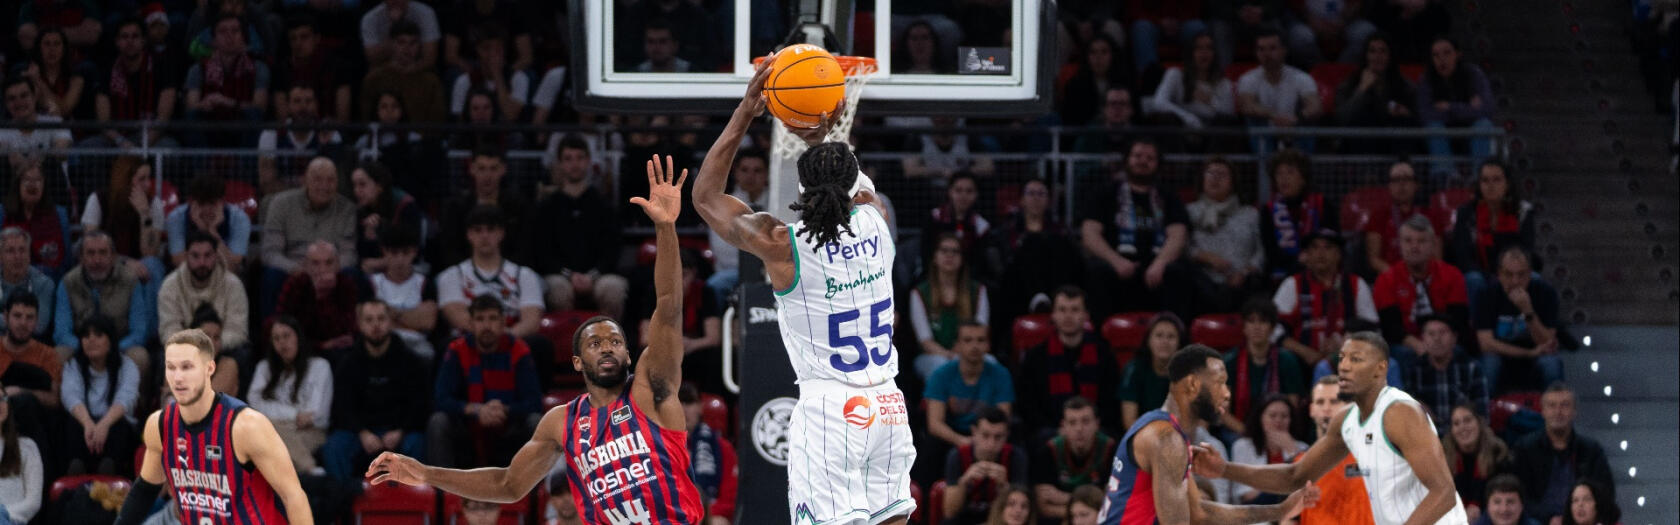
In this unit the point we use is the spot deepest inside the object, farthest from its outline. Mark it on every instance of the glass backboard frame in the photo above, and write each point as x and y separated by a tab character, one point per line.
1026	90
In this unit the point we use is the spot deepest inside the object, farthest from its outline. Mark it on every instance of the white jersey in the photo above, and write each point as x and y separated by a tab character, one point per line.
1393	488
837	317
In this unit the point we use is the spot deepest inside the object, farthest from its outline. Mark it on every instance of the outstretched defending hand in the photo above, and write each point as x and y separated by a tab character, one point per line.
664	200
391	466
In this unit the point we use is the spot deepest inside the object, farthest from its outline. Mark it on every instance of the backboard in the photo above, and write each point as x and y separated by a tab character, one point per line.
960	57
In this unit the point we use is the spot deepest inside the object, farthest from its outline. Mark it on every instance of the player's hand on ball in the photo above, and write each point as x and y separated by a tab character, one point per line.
1303	498
1206	462
664	200
754	100
391	466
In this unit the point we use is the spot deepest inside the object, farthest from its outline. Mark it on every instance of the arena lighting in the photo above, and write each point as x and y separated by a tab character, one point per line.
1595	367
1606	390
1586	340
1640	501
1624	444
1633	471
1615	418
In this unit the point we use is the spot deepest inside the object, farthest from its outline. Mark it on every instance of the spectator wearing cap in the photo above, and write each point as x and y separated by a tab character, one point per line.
203	280
1136	232
487	274
1323	303
294	219
103	285
1294	212
574	236
323	298
410	295
487	168
207	213
1382	231
379	401
18	276
403	71
713	460
487	399
137	85
1551	460
1225	242
1440	377
1422	285
1072	363
1517	321
380	34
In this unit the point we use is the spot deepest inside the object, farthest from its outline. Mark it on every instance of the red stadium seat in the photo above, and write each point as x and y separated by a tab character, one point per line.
512	513
1503	407
921	510
1030	330
1329	75
558	327
1442	205
1412	72
1220	331
1008	199
649	249
394	504
1359	204
936	502
170	197
1235	70
715	412
559	396
1125	333
69	483
241	195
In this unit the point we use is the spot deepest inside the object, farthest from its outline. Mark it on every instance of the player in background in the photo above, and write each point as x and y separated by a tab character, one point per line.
224	462
1151	480
849	450
625	440
1391	439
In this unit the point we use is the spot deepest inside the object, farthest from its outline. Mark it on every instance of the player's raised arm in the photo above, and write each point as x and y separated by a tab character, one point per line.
255	435
660	371
499	485
1284	477
1411	434
726	215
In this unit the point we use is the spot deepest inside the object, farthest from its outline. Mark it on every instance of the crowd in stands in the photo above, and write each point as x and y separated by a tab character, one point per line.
378	314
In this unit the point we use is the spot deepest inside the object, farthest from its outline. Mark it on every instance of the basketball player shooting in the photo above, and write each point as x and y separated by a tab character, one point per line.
624	441
849	449
1151	481
1390	436
224	462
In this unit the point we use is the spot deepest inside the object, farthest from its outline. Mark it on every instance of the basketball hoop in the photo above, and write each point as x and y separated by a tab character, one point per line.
858	72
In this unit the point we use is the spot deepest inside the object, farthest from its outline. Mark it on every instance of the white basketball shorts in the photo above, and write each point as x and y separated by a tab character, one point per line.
849	454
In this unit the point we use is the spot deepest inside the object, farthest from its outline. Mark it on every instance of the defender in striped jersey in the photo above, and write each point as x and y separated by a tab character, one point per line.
224	462
1151	481
1391	439
849	445
625	440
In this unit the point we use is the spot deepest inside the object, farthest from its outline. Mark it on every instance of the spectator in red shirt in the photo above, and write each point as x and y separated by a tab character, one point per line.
323	298
1422	285
713	464
1382	233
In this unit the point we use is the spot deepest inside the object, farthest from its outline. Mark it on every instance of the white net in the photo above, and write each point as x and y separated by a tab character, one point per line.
858	72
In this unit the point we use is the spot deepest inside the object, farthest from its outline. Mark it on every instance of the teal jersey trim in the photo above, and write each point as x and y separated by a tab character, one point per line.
793	246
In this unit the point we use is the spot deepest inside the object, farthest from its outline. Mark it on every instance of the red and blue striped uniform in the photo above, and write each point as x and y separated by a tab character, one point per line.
1131	490
626	470
201	466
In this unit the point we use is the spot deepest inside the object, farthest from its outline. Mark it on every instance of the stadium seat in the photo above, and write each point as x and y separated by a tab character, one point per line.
921	510
1503	407
394	504
1412	72
1358	206
1235	70
1125	333
512	513
1329	75
559	396
715	412
645	255
936	503
1443	203
69	483
1029	331
1219	331
171	198
1008	198
558	327
241	195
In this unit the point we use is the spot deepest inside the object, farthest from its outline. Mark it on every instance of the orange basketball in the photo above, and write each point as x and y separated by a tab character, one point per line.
805	81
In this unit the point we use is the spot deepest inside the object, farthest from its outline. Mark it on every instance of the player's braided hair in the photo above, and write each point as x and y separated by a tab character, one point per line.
827	171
